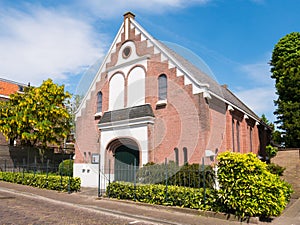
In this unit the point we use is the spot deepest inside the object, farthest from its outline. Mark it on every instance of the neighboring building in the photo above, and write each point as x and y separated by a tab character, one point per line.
147	103
8	87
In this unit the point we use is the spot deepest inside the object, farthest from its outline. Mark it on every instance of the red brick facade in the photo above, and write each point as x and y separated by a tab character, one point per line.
190	121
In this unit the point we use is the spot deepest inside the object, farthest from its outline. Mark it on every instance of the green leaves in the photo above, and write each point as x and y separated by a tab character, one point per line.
157	194
37	117
51	182
247	188
285	68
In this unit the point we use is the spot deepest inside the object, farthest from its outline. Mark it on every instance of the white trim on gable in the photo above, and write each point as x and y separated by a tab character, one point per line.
98	74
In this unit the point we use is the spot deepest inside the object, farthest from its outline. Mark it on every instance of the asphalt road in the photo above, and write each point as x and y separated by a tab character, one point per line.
20	208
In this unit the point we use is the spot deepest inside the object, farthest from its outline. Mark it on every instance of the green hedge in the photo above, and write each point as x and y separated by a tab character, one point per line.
248	188
188	175
51	182
158	194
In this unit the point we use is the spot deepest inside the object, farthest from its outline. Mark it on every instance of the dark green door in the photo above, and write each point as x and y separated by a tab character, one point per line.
126	163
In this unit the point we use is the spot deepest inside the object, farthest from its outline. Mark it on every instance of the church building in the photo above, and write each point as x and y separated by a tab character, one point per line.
148	103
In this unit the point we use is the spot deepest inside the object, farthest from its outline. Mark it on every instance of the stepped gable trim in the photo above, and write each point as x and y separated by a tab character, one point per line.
101	69
162	49
140	111
198	75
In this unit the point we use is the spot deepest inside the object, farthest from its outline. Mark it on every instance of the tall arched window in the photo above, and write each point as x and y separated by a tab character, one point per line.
251	139
136	87
238	136
162	87
176	156
185	155
99	102
116	92
232	129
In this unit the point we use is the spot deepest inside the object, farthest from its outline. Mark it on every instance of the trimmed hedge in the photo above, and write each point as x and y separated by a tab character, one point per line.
248	188
158	194
51	182
188	175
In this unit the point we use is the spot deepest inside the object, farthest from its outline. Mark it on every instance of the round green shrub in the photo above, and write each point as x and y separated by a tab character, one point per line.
65	168
248	188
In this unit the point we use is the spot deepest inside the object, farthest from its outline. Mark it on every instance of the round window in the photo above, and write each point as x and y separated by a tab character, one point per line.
126	52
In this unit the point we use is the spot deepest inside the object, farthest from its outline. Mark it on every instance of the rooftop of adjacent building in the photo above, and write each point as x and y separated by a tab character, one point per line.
8	87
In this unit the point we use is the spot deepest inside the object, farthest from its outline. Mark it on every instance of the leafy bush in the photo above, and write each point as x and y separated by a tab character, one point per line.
247	188
271	151
58	183
187	175
276	169
159	194
65	168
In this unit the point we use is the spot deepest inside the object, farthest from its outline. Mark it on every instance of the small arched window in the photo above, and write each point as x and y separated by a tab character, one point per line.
238	136
176	156
185	155
251	140
162	87
99	102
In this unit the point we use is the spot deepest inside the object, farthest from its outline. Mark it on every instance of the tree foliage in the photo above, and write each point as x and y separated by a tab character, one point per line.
276	138
38	116
285	68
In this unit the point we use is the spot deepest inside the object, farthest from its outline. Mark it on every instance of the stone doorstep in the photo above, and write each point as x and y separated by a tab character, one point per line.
218	215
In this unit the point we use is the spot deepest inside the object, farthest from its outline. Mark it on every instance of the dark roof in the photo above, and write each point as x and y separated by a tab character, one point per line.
235	101
126	114
203	78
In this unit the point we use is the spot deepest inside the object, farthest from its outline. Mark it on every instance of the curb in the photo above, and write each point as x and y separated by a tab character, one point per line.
197	212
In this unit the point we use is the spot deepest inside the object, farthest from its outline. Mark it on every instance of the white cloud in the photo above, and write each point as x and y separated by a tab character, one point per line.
260	100
258	73
44	43
115	7
260	92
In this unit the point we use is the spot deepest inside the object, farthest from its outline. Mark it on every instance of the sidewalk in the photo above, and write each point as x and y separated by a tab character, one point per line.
87	198
290	216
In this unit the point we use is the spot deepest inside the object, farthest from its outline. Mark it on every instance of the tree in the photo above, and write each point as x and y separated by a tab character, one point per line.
285	68
276	139
38	117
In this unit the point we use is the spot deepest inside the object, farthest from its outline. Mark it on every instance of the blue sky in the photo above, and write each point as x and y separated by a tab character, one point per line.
61	39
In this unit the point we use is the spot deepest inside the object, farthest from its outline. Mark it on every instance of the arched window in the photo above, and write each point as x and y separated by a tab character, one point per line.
232	129
251	139
238	136
116	92
99	102
162	87
136	87
176	156
185	155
